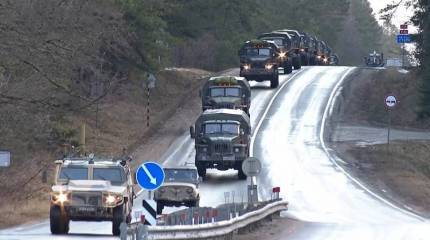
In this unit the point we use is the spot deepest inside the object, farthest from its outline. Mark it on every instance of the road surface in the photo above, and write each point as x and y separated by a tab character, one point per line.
287	137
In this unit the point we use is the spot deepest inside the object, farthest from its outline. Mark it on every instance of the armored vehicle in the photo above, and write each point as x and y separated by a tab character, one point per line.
375	59
259	61
180	188
222	139
302	47
226	92
288	44
86	189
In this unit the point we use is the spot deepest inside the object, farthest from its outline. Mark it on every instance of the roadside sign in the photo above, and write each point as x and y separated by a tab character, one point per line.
390	101
4	159
403	26
151	80
150	176
251	167
404	31
403	38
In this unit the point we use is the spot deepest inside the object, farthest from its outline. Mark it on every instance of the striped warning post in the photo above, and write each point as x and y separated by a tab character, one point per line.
150	212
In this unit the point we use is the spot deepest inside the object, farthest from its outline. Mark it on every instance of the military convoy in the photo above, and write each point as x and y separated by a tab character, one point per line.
226	92
222	139
87	189
287	44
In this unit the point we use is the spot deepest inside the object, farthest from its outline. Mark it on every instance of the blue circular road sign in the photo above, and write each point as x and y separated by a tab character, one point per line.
150	176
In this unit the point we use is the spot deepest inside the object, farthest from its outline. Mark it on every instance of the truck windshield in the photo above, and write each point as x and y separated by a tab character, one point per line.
229	128
258	52
225	92
114	175
73	173
180	175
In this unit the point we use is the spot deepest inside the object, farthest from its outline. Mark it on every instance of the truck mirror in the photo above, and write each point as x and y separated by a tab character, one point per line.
192	132
45	176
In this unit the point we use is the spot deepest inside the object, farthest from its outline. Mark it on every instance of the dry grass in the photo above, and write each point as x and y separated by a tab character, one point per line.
402	170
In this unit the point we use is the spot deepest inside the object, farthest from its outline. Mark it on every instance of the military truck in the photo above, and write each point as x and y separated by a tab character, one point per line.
302	47
226	92
259	61
180	188
287	43
375	59
88	189
222	139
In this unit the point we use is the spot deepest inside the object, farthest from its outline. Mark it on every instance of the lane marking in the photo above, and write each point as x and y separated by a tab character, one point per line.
329	109
268	106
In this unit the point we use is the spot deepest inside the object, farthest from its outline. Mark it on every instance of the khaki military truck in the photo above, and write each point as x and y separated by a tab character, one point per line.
180	188
87	189
222	139
226	92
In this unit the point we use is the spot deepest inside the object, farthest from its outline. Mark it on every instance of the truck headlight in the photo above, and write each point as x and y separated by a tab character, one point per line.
268	66
60	197
236	149
246	67
318	57
282	54
112	199
324	59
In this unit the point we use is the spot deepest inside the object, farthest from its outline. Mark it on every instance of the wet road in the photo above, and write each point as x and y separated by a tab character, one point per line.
287	137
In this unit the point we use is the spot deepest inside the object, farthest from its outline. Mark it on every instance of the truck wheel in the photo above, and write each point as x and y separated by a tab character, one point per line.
58	221
118	218
201	171
241	174
160	208
274	82
297	64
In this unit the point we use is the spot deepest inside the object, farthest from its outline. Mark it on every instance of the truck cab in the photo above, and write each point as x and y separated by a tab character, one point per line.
226	92
259	61
288	43
222	139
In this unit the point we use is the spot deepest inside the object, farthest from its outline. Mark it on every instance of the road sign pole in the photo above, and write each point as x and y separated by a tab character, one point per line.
389	128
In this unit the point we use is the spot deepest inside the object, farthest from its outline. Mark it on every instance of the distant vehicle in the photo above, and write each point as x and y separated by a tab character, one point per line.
259	61
287	43
375	59
324	53
226	92
222	139
180	188
91	190
334	60
302	48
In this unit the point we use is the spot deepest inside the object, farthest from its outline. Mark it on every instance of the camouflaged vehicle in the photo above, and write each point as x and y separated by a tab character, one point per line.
222	139
226	92
180	188
86	189
259	61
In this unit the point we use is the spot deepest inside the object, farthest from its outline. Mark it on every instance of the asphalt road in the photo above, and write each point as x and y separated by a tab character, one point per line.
287	137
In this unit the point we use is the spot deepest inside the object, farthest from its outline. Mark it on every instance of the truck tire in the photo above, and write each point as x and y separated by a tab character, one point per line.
201	171
297	64
118	218
241	175
288	68
58	220
274	82
160	208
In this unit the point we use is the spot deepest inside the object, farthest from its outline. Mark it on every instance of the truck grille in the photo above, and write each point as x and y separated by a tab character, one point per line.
258	65
226	105
87	199
222	148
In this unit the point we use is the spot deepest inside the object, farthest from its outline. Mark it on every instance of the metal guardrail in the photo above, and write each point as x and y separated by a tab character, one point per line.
138	231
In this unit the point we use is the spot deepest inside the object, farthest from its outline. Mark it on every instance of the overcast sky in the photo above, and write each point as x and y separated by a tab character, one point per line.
402	15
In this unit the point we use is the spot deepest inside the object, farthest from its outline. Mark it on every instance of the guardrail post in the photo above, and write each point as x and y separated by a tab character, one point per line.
141	232
123	231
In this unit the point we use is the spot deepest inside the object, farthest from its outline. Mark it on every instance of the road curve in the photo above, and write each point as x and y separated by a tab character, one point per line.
287	124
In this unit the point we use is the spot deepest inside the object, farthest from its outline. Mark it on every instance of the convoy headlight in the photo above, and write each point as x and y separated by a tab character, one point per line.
246	67
282	54
60	197
236	150
268	66
319	57
325	60
112	199
302	50
189	190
